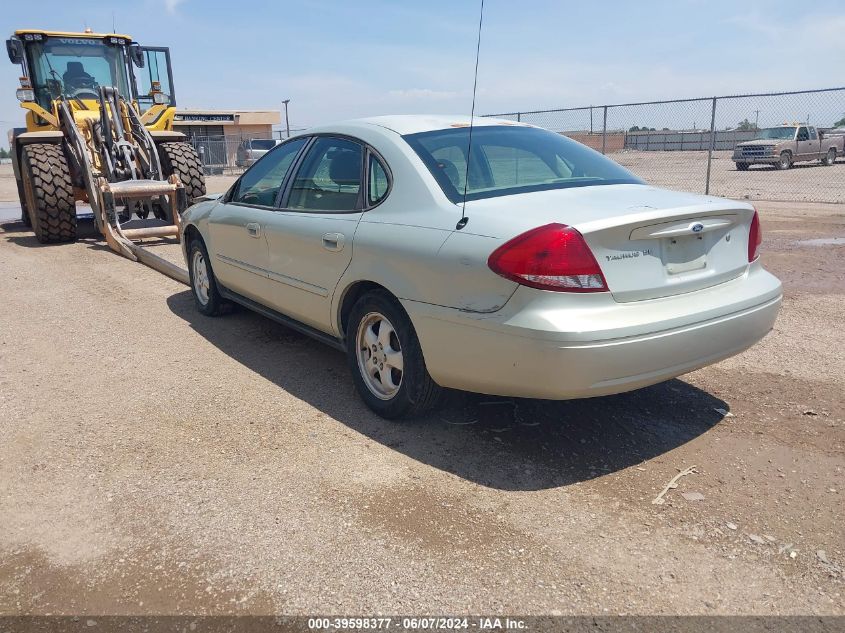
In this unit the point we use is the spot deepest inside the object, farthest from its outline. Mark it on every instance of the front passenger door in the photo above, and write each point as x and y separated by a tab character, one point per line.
237	225
802	139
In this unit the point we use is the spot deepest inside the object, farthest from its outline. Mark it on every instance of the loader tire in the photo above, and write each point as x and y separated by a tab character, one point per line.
182	159
49	193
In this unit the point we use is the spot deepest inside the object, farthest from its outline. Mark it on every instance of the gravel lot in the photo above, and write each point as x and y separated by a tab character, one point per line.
687	171
155	461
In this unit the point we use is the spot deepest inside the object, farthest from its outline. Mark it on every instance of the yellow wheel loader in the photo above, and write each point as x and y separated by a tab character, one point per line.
99	130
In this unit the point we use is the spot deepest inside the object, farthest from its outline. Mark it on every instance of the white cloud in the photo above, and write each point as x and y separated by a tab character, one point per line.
171	5
423	93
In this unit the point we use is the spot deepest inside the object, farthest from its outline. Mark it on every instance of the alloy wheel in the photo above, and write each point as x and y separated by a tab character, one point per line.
379	356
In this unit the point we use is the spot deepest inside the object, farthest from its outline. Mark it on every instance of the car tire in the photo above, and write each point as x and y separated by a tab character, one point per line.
830	157
207	297
386	360
785	161
742	166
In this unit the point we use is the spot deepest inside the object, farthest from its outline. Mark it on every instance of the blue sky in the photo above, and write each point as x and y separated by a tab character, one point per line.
343	59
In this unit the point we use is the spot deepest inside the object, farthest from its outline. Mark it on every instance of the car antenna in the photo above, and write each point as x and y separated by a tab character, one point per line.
464	219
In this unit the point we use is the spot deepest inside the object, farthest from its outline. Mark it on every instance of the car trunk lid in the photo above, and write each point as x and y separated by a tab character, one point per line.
648	242
687	249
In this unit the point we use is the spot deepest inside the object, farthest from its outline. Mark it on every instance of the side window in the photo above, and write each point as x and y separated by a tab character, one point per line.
329	178
156	68
814	136
377	189
802	134
261	182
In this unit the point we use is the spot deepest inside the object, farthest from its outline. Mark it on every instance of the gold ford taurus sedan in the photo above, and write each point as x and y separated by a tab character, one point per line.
523	265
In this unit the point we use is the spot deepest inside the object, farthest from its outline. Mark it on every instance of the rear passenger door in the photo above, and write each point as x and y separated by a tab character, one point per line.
310	236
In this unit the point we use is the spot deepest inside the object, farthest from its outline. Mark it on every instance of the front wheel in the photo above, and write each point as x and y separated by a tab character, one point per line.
785	161
48	193
203	283
742	166
386	360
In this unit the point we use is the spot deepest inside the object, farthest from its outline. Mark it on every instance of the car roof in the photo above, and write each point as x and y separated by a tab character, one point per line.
414	123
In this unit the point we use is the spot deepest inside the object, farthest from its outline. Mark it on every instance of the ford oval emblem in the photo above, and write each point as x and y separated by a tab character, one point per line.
698	227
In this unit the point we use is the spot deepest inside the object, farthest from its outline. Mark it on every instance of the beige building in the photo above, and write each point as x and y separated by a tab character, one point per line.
217	134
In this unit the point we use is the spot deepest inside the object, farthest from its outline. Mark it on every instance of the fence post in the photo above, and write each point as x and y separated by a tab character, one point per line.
711	146
604	131
519	117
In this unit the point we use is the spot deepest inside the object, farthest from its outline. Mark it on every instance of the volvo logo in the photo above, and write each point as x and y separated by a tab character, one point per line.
698	227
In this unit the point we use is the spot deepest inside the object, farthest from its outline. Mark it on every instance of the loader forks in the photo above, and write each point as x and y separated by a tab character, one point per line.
129	176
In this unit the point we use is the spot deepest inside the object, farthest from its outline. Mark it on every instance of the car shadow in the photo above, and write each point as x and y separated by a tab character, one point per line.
502	443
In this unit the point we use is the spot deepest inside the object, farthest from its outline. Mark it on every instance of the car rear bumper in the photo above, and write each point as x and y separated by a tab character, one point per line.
593	346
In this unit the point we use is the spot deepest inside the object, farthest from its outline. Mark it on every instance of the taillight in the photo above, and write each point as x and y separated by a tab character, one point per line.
755	238
550	257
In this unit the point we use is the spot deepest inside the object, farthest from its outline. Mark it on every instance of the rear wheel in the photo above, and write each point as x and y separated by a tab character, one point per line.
182	159
386	360
785	161
742	166
830	157
48	193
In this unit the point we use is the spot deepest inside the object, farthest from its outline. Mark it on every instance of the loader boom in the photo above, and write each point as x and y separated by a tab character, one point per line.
99	130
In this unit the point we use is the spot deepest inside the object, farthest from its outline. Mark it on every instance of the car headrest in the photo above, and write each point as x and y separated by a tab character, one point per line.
450	170
345	168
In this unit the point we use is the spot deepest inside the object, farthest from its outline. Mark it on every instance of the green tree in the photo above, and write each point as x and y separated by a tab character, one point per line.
745	125
840	122
4	153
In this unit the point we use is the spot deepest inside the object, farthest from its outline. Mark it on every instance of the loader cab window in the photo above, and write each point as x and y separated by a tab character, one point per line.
156	69
75	67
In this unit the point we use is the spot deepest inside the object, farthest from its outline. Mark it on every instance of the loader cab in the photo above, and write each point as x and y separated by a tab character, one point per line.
76	65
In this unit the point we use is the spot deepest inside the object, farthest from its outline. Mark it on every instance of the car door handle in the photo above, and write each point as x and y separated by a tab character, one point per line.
254	229
333	241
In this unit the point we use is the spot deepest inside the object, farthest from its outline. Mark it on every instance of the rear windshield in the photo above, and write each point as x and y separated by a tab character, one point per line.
262	144
507	160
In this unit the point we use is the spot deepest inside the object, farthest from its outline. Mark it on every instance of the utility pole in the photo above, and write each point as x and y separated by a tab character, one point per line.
756	119
287	122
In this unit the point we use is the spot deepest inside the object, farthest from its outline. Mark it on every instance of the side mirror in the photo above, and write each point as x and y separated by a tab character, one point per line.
14	47
136	54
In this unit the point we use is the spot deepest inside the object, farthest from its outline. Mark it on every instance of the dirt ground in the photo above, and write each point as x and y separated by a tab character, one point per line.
156	461
687	171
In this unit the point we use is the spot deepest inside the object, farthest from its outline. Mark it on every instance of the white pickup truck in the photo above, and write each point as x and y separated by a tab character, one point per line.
785	145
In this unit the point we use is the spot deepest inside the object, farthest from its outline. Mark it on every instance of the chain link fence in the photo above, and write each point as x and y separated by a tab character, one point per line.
233	153
690	144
